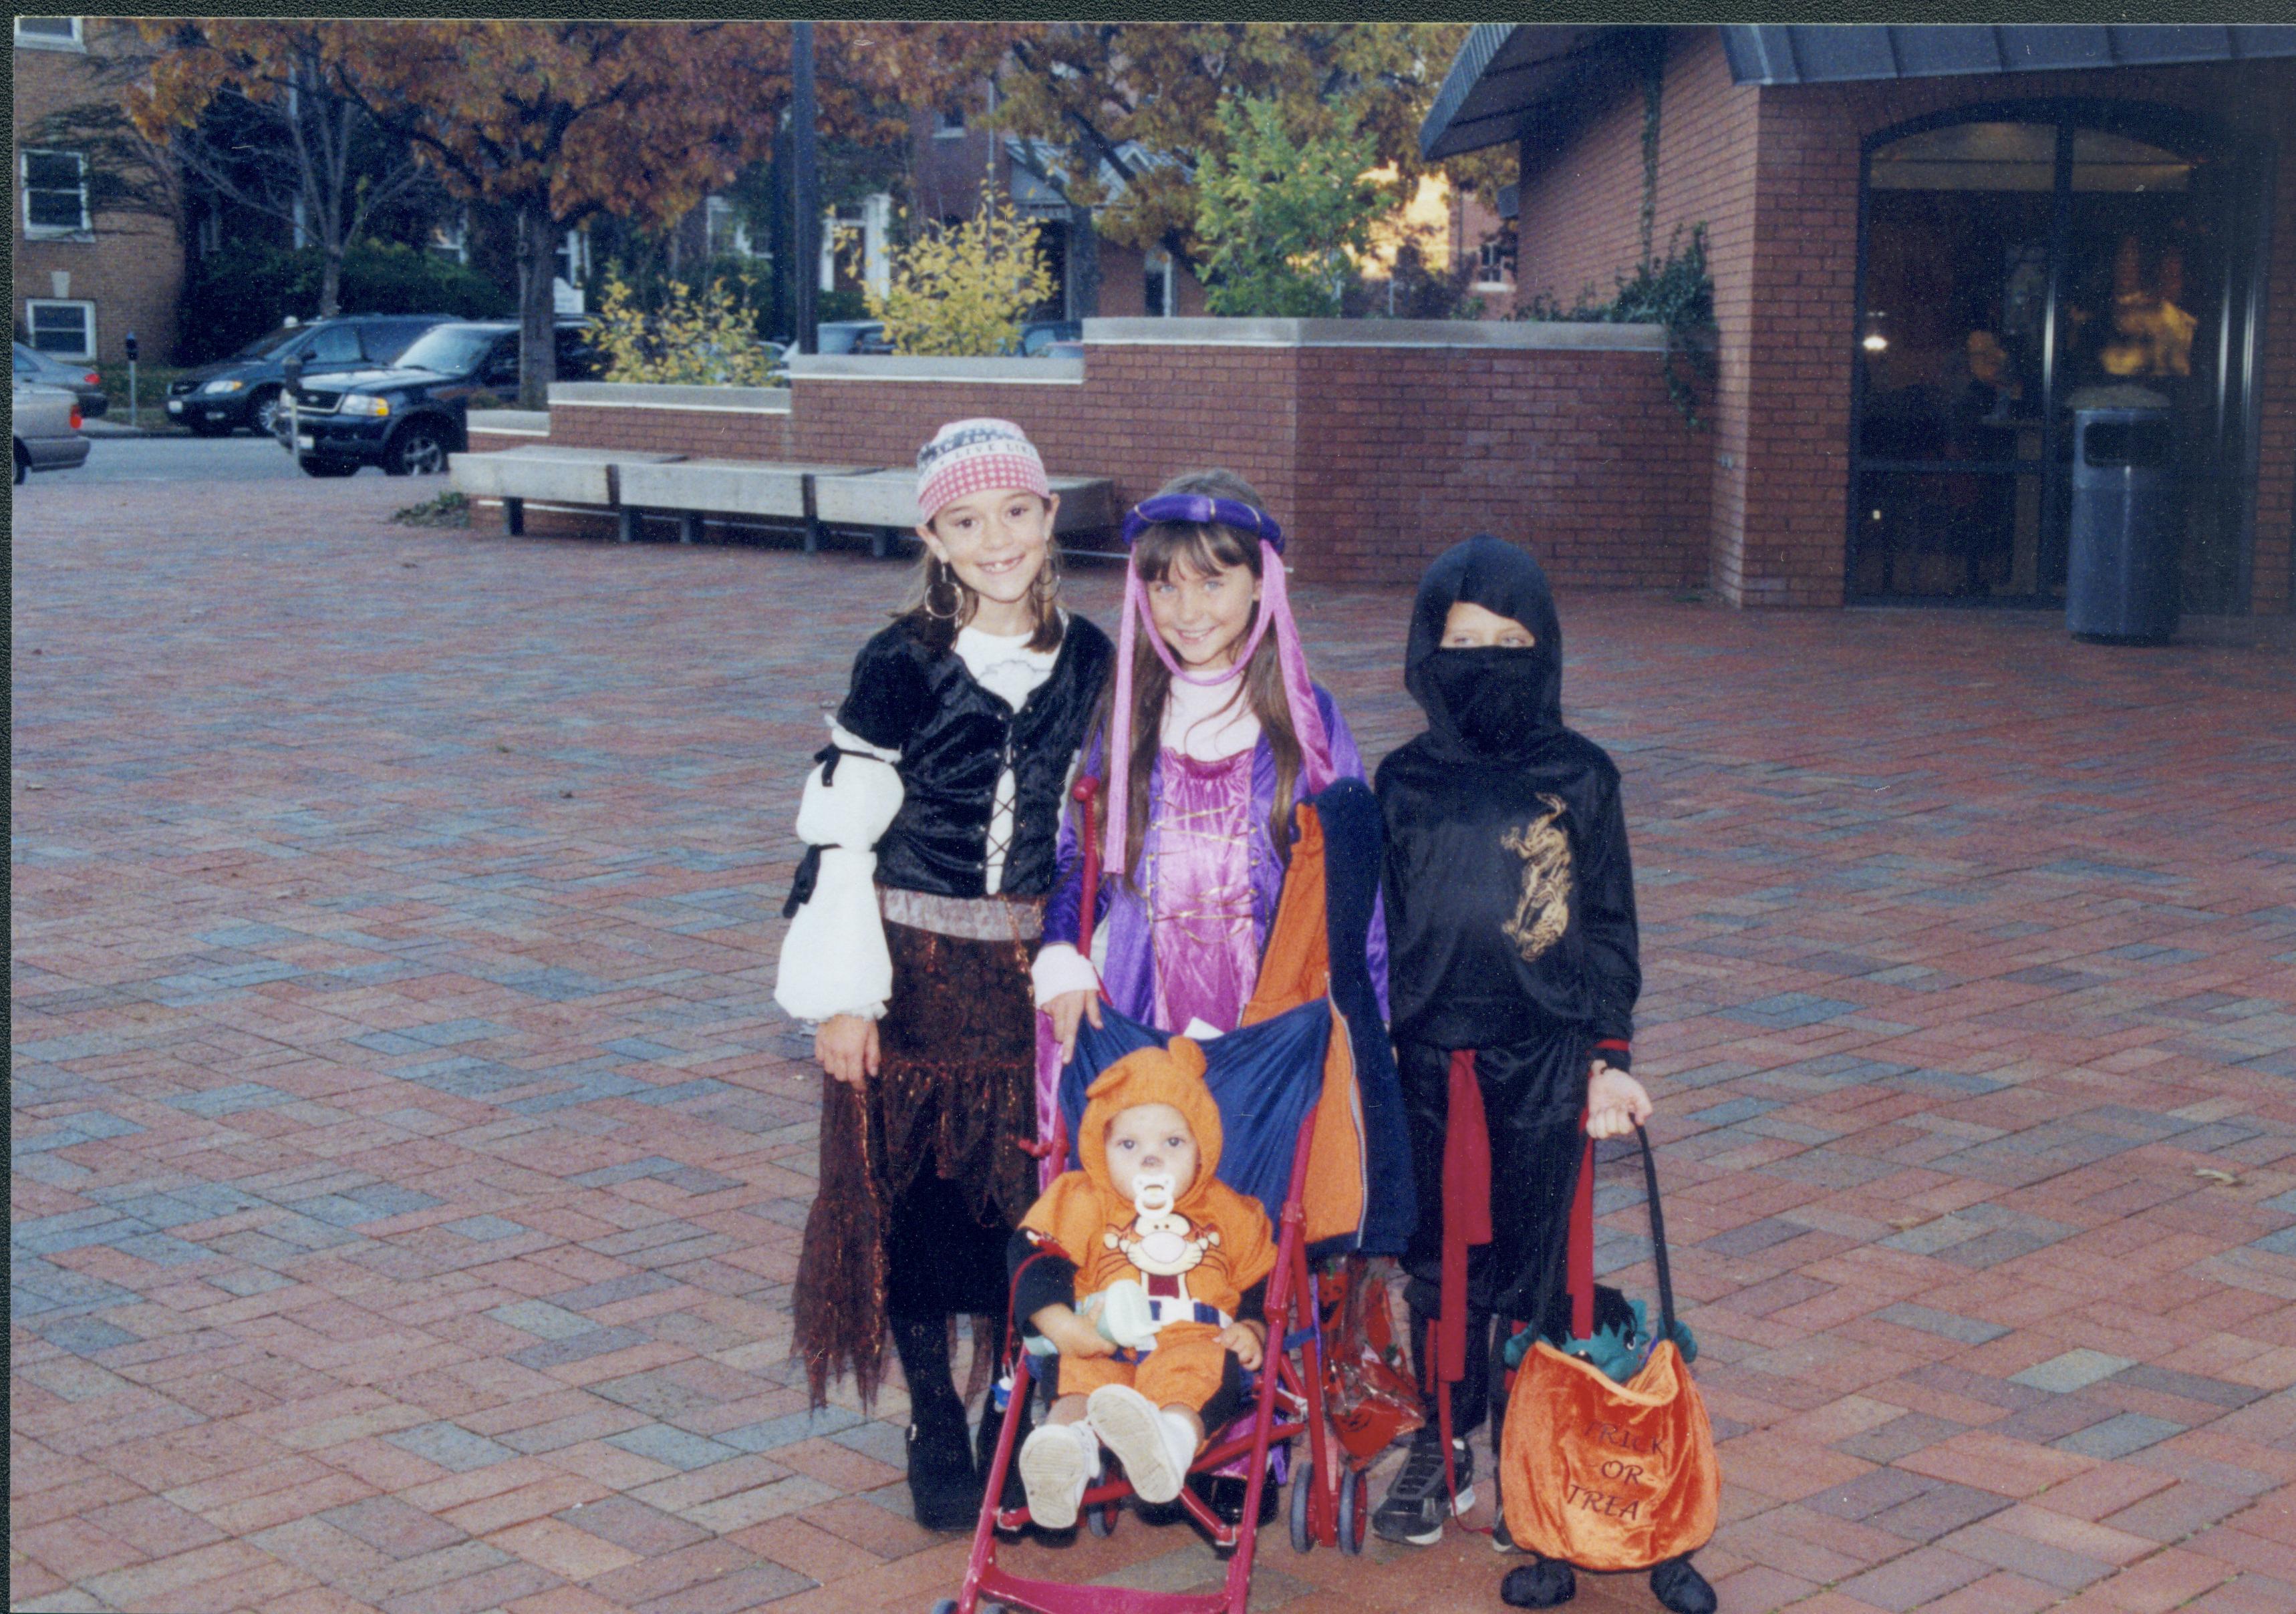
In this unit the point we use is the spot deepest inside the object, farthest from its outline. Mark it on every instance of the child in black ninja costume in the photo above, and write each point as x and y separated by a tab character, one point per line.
1513	978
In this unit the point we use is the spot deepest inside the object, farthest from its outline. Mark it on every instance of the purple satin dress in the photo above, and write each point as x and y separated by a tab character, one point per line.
1197	878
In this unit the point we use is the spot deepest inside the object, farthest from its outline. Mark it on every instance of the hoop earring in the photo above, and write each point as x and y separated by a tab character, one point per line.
940	575
1047	586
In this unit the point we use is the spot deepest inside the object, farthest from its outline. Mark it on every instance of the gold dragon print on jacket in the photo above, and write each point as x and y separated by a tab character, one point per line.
1543	912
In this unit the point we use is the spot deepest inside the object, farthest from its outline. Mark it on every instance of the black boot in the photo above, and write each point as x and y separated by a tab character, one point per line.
944	1485
1681	1588
1542	1583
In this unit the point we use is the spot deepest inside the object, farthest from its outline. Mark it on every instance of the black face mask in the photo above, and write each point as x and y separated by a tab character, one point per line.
1501	703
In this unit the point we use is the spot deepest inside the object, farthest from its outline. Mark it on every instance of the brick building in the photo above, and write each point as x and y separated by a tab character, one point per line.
84	277
1930	247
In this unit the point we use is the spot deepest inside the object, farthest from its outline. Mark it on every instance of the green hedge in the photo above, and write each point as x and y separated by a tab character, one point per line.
236	295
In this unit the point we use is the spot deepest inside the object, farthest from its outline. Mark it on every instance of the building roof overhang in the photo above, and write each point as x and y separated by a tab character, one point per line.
1510	80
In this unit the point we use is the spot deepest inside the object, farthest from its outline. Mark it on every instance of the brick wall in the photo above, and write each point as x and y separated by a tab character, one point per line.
697	433
129	266
1581	456
1773	174
1375	459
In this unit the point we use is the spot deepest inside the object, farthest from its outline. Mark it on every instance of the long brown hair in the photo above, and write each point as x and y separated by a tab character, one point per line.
939	603
1203	549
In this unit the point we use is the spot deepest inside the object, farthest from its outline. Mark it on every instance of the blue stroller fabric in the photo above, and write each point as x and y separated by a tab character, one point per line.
1266	1078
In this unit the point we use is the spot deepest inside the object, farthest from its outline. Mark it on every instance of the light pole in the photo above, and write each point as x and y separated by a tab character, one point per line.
805	190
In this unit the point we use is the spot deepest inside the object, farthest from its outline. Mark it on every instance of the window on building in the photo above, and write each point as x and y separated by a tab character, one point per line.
65	329
573	257
948	123
56	193
727	230
452	240
1157	294
1494	261
50	33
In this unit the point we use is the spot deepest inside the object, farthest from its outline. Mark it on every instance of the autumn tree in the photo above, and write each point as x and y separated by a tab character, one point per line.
258	112
1144	98
562	121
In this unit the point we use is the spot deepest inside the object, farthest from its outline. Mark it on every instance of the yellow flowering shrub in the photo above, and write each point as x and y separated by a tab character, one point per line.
962	290
698	337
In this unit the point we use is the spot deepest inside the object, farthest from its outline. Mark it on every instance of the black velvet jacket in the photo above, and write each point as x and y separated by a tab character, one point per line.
954	738
1510	894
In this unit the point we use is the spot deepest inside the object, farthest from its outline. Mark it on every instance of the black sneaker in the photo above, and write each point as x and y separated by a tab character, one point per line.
1416	1506
944	1487
1542	1583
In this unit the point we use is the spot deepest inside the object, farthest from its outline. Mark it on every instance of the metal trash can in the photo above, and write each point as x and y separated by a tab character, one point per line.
2121	565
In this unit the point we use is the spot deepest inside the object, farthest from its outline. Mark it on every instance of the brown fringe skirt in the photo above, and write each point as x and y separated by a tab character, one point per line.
923	1177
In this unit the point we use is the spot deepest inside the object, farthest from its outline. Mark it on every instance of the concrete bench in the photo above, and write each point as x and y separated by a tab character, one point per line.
886	502
558	476
779	490
633	484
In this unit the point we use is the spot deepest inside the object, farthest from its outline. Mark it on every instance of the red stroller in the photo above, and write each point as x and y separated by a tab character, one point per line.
1293	1096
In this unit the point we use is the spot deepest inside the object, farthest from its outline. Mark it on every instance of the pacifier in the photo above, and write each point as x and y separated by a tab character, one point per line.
1153	1193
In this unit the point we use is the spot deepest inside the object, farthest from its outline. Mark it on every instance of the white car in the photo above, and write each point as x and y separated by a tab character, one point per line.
46	430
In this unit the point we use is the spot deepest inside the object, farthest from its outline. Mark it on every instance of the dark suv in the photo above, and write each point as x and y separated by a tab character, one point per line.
245	388
409	418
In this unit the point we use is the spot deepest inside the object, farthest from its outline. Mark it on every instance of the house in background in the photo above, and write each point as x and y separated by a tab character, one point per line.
952	157
83	278
1930	247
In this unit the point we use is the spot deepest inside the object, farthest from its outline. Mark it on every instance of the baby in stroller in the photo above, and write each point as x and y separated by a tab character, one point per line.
1148	1276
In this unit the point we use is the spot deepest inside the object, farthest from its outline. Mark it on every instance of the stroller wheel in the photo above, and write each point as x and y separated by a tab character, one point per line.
1101	1521
1303	1480
1354	1512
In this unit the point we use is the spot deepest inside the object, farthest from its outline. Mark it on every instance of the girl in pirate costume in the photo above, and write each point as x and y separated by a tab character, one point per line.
1516	967
931	826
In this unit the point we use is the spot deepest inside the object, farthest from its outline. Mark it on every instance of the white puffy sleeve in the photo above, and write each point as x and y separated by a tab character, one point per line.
834	958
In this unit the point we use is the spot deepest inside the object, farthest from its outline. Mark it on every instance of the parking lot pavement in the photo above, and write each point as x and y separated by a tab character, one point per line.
409	1160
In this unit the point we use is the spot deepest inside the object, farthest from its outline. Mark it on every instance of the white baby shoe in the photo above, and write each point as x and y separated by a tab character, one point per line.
1154	1446
1057	1462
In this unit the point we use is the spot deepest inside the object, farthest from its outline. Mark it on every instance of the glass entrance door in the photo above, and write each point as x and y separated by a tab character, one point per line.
2014	269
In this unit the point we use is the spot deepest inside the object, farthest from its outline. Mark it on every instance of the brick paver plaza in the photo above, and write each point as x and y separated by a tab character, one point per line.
409	1160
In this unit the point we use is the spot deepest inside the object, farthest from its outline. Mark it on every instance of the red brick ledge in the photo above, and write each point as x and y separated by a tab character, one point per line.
1564	335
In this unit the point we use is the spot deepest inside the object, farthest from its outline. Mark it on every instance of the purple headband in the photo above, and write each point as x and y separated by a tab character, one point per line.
1203	510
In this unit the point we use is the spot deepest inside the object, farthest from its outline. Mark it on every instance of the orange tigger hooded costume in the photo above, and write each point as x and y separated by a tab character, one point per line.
1082	1207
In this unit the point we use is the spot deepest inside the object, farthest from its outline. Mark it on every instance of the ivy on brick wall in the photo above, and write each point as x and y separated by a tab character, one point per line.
1674	291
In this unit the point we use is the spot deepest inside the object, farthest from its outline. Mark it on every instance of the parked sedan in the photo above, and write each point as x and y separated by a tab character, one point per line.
245	389
80	380
46	430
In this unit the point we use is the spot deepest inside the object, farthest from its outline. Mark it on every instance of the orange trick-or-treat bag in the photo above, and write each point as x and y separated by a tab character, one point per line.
1604	1475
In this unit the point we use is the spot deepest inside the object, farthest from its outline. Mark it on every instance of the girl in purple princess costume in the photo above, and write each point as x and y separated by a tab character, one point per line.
1214	731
